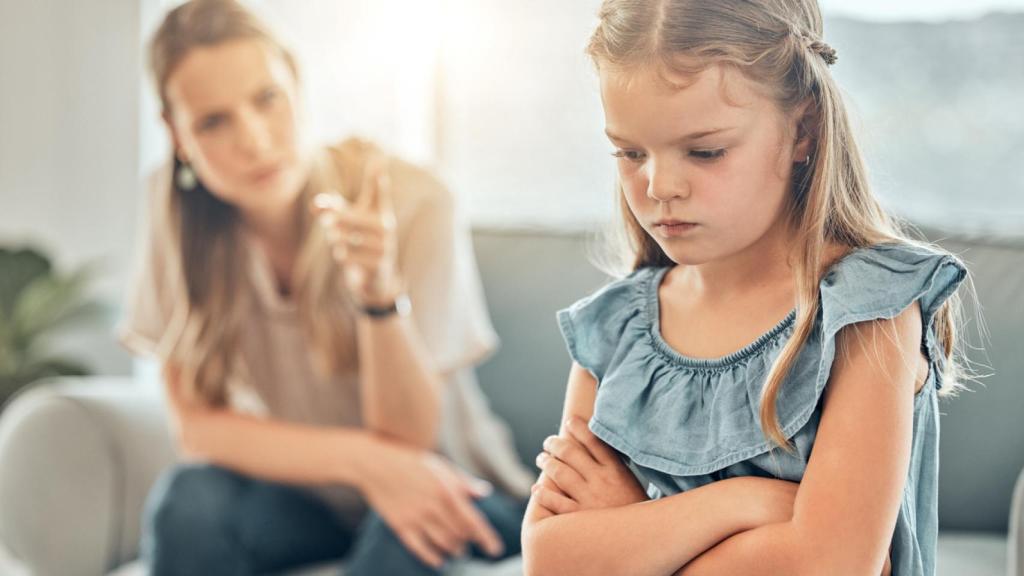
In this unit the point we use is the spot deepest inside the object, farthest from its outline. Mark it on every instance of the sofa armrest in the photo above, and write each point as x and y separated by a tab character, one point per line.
77	457
1015	551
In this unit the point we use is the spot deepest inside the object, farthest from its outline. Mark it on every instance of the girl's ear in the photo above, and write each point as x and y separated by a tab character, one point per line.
806	119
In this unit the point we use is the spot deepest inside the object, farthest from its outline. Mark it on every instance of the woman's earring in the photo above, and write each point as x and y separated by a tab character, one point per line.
186	177
807	160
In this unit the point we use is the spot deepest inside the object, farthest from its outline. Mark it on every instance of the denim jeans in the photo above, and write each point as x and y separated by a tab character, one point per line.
203	519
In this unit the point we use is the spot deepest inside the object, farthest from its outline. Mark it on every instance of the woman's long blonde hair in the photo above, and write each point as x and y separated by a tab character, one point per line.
203	339
778	44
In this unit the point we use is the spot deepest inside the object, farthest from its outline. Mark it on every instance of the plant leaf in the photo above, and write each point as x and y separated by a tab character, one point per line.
48	368
48	302
18	269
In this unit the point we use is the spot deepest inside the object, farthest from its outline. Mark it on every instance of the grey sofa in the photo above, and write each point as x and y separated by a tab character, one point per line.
78	456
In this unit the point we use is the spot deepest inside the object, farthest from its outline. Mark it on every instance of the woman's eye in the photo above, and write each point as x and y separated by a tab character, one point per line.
708	154
267	96
211	123
631	155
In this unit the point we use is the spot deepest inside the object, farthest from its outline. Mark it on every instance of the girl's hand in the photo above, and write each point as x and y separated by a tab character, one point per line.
586	471
427	502
363	238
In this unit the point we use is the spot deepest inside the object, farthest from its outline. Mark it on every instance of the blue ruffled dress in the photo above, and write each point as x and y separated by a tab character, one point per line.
682	422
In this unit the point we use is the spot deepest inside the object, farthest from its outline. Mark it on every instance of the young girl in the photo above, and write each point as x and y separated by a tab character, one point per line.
301	386
761	390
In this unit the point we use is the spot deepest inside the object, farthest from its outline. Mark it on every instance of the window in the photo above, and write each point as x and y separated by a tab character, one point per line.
499	98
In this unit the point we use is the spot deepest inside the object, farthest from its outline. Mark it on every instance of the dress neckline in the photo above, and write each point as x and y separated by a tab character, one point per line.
654	311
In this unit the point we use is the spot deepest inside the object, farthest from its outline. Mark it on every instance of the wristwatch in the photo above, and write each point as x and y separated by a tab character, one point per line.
400	306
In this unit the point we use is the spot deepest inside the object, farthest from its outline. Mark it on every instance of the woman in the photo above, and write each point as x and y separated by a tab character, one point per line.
276	292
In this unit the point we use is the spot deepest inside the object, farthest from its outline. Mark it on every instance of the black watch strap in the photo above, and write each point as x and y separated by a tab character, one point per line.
400	306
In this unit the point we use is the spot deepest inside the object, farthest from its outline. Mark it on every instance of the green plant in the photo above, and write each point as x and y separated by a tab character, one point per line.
36	301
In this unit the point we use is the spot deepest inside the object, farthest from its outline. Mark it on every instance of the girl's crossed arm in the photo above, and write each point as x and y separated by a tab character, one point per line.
849	498
602	522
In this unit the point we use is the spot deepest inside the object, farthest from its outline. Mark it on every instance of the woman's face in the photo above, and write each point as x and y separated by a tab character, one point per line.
233	116
705	164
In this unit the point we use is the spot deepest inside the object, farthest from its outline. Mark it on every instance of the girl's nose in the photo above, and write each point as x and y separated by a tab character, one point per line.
666	182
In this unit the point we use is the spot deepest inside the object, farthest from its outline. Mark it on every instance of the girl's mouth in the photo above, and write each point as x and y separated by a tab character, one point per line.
674	228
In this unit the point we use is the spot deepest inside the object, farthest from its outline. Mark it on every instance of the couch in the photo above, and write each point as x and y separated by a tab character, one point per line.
77	456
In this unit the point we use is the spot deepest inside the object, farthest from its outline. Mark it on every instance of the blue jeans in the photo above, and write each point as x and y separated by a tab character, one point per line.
203	519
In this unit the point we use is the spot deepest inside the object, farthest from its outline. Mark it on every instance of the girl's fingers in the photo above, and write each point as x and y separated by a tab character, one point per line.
600	451
553	501
570	451
568	480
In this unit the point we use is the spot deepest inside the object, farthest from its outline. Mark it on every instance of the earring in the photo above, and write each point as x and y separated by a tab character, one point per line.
808	159
186	177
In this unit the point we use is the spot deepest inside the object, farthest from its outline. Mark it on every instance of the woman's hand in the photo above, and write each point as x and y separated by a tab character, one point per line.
426	502
587	472
362	236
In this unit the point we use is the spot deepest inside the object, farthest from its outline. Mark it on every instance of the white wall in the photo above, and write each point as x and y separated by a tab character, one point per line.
365	71
69	89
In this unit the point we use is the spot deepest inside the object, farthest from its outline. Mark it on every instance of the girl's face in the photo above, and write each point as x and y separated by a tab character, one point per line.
233	116
705	164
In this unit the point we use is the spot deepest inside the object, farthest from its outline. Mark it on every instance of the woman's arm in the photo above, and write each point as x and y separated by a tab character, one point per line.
426	501
400	387
653	537
849	498
269	449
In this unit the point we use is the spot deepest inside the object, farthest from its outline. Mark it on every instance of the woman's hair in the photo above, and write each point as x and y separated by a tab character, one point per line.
778	45
204	335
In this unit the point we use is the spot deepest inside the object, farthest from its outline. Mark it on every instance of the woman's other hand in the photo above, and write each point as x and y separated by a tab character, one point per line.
427	502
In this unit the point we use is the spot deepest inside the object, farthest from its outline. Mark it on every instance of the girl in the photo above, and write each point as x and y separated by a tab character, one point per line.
761	390
297	376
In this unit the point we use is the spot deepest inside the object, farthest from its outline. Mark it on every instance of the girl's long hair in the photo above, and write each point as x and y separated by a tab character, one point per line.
778	44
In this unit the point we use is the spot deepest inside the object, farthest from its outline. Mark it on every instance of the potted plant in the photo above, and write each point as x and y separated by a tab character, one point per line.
35	303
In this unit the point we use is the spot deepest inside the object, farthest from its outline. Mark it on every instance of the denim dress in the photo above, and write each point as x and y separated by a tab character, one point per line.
682	422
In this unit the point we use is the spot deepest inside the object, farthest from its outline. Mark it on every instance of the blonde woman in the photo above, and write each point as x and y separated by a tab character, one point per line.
317	314
759	395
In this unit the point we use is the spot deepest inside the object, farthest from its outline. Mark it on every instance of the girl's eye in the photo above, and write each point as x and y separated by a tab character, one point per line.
708	154
631	155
